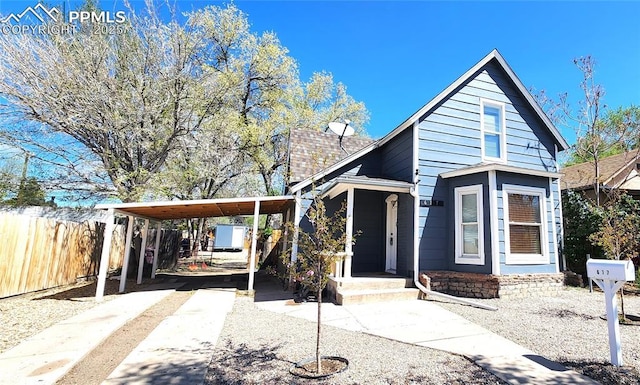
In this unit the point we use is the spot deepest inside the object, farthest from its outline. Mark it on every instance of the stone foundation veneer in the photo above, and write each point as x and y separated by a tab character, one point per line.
474	285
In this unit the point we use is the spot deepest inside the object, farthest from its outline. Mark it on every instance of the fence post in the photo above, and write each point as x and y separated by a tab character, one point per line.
589	278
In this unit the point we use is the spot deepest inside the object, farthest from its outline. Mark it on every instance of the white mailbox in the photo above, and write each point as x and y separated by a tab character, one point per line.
610	270
610	276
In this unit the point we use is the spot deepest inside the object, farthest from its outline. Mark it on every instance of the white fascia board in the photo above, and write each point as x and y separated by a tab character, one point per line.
527	95
306	182
438	98
339	188
413	118
498	167
117	206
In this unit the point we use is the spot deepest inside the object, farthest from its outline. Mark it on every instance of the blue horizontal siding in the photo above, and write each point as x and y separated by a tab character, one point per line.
457	121
397	157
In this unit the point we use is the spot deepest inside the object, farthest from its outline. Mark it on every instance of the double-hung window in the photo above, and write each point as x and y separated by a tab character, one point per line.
525	225
492	122
469	228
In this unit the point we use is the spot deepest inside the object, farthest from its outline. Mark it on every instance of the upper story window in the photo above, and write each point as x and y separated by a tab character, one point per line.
492	123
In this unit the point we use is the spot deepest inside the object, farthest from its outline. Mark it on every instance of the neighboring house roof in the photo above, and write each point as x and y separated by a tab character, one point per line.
312	151
493	55
617	171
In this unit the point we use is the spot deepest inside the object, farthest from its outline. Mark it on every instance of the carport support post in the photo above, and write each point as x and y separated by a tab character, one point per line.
104	258
296	227
143	246
348	247
156	251
127	254
254	242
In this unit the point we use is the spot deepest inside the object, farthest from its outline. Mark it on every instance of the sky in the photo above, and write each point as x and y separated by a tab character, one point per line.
395	56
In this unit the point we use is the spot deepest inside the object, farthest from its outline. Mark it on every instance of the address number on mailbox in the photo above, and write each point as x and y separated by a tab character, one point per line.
611	270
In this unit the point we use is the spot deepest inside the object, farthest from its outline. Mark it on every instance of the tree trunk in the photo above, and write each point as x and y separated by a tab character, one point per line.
318	361
597	170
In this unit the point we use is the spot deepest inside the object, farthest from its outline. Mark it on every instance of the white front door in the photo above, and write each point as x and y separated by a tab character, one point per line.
392	235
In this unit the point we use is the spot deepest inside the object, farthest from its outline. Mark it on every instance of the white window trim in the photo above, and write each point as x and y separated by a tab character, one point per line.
461	258
502	134
525	259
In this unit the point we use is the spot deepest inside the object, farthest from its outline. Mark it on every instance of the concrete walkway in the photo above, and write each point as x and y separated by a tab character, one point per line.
425	323
47	356
179	349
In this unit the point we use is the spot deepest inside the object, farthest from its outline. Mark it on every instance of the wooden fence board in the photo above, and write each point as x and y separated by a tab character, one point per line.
40	253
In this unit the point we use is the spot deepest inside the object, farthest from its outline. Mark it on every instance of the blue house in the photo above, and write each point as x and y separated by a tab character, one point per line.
463	196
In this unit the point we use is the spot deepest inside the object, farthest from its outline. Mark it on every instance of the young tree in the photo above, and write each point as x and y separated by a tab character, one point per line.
619	234
599	132
318	250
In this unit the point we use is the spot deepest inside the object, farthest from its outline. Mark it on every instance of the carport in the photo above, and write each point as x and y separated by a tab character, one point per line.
166	210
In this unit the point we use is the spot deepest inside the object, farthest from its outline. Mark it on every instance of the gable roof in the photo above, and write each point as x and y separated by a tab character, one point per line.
493	55
312	151
614	170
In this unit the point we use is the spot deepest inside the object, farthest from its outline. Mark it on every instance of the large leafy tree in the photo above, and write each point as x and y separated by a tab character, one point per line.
308	106
106	109
176	109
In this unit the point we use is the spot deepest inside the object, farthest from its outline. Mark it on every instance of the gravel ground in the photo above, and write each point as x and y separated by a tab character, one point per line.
568	328
24	315
264	353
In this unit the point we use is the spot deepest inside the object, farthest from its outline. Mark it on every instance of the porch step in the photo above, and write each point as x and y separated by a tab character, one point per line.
351	297
371	283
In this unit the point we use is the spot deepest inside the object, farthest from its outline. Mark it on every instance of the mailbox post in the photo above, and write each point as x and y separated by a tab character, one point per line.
610	275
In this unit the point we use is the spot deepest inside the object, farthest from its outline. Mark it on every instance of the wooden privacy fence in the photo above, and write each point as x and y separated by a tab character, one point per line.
40	253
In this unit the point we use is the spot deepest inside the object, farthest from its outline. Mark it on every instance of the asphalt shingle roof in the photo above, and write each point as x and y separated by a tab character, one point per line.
582	175
313	151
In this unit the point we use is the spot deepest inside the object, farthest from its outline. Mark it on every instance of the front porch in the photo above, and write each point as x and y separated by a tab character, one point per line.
367	288
378	230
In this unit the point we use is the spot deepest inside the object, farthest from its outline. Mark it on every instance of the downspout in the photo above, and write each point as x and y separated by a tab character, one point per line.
415	193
